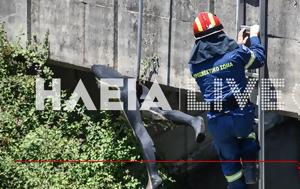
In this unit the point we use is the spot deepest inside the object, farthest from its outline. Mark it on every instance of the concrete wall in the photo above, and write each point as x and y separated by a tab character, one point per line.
105	31
284	48
86	32
14	14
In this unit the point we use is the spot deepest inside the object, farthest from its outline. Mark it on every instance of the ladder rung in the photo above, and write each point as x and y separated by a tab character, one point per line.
249	74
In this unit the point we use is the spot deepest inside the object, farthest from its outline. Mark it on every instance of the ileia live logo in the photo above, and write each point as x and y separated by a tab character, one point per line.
110	95
110	89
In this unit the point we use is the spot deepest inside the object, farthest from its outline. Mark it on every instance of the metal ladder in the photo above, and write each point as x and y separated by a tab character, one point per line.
259	73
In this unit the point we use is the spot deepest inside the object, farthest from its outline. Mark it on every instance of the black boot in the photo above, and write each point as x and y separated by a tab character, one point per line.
250	172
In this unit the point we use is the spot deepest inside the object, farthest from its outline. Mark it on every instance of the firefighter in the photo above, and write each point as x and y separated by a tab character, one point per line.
216	56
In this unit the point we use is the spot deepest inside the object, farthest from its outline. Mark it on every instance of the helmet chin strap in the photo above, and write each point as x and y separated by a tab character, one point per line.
196	38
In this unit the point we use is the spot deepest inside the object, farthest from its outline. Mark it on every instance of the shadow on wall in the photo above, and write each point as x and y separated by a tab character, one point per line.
282	143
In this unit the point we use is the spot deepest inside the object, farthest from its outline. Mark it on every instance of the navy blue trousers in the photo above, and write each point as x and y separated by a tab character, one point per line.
234	139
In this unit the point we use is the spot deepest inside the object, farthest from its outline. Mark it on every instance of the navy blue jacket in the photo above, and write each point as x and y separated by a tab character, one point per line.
229	65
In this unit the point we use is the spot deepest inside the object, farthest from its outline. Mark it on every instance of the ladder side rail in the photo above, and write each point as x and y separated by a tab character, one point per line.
263	38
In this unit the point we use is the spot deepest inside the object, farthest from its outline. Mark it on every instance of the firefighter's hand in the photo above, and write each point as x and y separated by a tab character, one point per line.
241	40
254	30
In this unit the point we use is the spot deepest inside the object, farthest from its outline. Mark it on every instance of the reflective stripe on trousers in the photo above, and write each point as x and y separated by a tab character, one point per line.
250	136
234	177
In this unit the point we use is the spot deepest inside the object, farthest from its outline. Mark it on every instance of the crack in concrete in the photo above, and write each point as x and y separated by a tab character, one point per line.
283	37
295	4
8	16
158	16
103	6
147	14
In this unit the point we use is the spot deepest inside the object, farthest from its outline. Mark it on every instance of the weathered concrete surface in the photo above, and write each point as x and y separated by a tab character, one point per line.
182	39
14	14
155	35
226	11
99	33
252	15
284	48
64	21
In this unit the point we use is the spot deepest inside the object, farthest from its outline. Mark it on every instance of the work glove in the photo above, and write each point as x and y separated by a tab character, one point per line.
254	30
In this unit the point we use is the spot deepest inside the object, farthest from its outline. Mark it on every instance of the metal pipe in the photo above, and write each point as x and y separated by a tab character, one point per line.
240	14
115	41
237	14
261	134
170	42
139	40
29	32
211	6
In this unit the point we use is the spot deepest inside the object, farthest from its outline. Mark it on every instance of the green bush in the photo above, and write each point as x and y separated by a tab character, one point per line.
27	134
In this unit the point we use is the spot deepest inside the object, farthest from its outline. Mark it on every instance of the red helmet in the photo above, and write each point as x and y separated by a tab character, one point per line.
206	24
